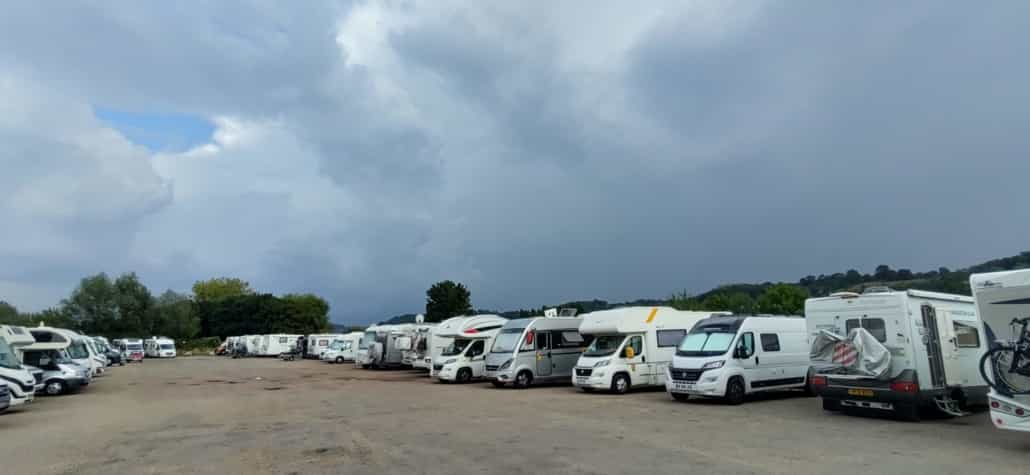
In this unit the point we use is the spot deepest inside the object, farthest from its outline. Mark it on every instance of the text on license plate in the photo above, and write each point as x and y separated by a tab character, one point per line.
860	392
684	387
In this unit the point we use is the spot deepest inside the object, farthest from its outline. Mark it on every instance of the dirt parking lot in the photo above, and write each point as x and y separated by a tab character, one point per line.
225	416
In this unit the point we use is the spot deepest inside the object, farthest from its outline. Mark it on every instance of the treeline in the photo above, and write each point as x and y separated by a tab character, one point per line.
124	307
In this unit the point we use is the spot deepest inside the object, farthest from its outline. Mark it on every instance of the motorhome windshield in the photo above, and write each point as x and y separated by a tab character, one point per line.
7	357
365	340
604	345
77	350
456	348
712	341
134	347
507	340
167	346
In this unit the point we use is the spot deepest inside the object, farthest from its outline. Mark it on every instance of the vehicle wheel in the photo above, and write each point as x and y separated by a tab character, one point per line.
339	360
735	392
680	397
497	384
55	388
464	375
831	405
907	412
523	380
620	384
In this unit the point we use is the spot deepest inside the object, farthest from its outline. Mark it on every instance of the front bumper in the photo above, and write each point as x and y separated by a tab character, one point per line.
446	373
705	383
592	378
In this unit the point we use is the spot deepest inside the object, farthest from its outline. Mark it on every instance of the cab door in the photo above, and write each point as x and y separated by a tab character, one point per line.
637	364
746	355
543	353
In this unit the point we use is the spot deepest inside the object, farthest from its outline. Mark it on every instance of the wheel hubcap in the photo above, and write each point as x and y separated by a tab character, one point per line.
53	388
620	384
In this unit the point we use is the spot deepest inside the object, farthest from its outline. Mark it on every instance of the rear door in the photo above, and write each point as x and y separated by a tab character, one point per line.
543	354
934	349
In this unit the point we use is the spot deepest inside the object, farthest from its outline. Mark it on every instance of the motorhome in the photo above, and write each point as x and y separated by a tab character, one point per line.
381	348
98	350
732	356
418	348
1001	297
535	350
318	343
61	374
159	347
342	349
74	344
19	379
631	347
471	338
442	335
896	351
277	344
132	349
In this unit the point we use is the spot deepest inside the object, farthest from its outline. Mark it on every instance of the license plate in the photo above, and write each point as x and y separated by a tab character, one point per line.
860	392
581	379
684	387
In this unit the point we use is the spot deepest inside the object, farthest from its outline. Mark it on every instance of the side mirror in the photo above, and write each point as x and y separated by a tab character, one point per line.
629	352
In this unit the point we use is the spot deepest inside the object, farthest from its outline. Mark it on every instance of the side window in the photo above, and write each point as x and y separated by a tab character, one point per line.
966	336
770	342
637	344
746	345
477	348
874	326
567	339
283	339
668	338
31	358
543	341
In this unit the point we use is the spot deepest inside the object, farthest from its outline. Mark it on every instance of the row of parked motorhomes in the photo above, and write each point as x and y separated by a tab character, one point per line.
881	350
53	361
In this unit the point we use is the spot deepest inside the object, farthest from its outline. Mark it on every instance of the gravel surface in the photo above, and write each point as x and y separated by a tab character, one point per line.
225	416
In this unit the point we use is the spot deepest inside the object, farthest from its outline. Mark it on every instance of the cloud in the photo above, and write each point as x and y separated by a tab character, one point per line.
537	152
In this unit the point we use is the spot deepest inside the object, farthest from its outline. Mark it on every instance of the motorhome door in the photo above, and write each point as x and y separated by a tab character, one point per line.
949	349
934	350
543	353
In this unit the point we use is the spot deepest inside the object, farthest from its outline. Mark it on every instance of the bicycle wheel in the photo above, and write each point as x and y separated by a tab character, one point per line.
1007	381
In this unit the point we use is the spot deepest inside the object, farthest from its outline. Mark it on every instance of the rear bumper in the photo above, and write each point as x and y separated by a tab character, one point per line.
1005	413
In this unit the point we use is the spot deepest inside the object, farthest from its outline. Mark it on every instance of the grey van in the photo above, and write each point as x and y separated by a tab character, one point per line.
535	350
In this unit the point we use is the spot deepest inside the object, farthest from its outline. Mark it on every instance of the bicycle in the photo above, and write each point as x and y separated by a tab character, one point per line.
1010	362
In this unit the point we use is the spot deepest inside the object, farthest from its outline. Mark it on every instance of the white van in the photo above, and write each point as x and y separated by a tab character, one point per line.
319	342
279	343
441	337
631	347
535	350
20	381
159	347
465	358
1000	298
731	356
76	348
896	351
342	349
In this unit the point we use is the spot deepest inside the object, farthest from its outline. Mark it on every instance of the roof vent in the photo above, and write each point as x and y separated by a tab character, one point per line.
880	289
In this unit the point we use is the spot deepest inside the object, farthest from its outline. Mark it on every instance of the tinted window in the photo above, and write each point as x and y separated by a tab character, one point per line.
670	337
543	341
770	342
874	326
477	348
747	345
966	336
283	339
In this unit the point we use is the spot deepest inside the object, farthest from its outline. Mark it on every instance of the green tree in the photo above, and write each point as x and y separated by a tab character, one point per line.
173	315
684	301
133	301
93	305
302	313
447	299
220	288
783	299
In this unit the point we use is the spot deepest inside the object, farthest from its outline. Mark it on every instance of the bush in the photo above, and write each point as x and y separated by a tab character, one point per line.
198	345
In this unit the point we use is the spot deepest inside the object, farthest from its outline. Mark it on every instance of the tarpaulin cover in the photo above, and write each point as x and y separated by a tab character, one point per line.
857	354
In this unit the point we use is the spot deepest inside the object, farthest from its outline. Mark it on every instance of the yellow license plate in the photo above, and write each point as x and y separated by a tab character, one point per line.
860	392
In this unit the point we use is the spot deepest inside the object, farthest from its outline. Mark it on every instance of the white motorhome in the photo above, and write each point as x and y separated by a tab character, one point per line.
631	347
896	351
465	358
418	349
18	378
535	350
342	349
60	374
731	356
379	347
159	347
1001	297
317	343
77	348
277	344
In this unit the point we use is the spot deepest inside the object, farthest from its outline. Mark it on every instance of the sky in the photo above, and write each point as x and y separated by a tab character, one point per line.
538	152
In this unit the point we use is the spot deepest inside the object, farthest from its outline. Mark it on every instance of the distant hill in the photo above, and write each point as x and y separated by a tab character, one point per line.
940	280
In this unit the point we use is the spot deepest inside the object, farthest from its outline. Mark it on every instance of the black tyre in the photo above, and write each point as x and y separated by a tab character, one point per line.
680	397
497	384
735	392
523	380
831	405
620	384
339	360
54	388
464	375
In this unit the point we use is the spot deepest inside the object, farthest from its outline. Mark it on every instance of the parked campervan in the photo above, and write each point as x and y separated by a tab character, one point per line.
318	343
471	338
896	351
19	380
60	373
379	347
732	356
631	347
133	349
535	350
159	347
342	349
1002	297
74	344
97	351
417	350
277	344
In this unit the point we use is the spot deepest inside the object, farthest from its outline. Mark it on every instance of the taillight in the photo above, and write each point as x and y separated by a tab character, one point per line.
819	381
904	387
1020	412
995	404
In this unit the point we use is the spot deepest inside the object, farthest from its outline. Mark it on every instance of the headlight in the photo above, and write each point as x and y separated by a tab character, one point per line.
452	360
713	364
602	363
506	365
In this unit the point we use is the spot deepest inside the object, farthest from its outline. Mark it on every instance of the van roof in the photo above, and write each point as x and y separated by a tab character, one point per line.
462	326
638	319
923	294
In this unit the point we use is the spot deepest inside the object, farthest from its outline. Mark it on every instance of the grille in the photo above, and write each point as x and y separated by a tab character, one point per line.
437	367
686	374
492	367
584	371
39	377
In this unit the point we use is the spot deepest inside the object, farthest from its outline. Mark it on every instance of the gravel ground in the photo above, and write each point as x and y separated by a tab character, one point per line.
225	416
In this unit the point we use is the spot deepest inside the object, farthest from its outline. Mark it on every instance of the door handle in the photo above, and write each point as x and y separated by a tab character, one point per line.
756	361
643	359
